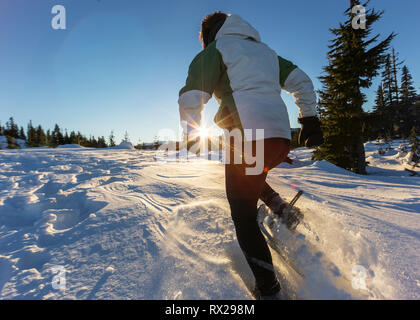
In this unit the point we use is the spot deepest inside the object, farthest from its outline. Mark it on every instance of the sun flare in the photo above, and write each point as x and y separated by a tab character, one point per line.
203	132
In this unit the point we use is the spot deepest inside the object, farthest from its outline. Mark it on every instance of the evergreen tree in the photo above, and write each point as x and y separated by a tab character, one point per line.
41	137
79	138
156	143
57	137
388	82
11	130
73	138
36	136
49	138
396	65
408	92
353	62
379	117
126	137
66	138
112	139
415	146
22	134
101	142
91	142
380	100
391	119
31	134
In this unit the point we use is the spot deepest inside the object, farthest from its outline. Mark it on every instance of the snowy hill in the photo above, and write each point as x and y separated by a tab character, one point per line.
123	226
4	143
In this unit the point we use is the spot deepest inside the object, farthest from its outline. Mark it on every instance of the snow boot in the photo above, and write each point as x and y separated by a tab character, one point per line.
290	216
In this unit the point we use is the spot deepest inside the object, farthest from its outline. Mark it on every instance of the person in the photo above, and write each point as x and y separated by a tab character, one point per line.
246	77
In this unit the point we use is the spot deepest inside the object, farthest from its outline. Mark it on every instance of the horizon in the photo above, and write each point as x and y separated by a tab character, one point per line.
122	67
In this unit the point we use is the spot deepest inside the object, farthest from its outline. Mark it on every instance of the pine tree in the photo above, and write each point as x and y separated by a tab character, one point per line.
408	92
388	82
79	139
376	119
31	134
41	137
57	137
22	134
380	100
408	111
156	143
415	146
102	142
11	130
112	139
49	138
66	137
396	65
126	137
73	138
353	63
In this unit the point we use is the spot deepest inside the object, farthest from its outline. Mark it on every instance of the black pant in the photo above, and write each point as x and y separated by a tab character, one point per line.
243	192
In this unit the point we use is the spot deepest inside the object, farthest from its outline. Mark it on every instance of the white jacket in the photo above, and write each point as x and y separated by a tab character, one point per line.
246	77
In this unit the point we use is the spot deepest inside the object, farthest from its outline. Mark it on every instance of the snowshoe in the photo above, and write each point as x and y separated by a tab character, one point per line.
288	214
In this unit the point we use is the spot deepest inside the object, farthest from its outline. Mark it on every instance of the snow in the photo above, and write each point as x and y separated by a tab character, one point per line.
3	142
21	143
125	226
124	145
70	146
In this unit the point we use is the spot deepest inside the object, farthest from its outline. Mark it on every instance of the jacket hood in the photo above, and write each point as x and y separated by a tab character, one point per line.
237	27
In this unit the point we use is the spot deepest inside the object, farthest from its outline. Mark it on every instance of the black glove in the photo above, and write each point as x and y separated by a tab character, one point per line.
310	135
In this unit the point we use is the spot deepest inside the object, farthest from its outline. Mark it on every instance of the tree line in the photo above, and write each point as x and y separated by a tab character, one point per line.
395	111
36	136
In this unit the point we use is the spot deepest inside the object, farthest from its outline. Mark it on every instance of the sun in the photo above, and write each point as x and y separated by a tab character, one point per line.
203	132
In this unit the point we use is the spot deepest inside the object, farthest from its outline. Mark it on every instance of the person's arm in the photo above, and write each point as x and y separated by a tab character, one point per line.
297	82
203	76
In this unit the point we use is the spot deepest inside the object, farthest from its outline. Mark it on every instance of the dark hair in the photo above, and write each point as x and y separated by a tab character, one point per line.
210	25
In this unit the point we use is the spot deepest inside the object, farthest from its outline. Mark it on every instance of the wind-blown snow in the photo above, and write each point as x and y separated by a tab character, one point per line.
125	226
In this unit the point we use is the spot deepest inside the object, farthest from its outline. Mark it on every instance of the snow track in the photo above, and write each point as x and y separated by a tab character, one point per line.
125	226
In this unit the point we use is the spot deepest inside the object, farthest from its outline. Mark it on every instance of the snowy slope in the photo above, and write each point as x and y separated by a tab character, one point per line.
124	226
4	143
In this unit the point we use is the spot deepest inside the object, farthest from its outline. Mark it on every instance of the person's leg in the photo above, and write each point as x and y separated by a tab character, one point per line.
267	193
275	151
243	192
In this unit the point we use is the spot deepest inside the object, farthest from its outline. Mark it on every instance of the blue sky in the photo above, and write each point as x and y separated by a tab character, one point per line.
120	64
